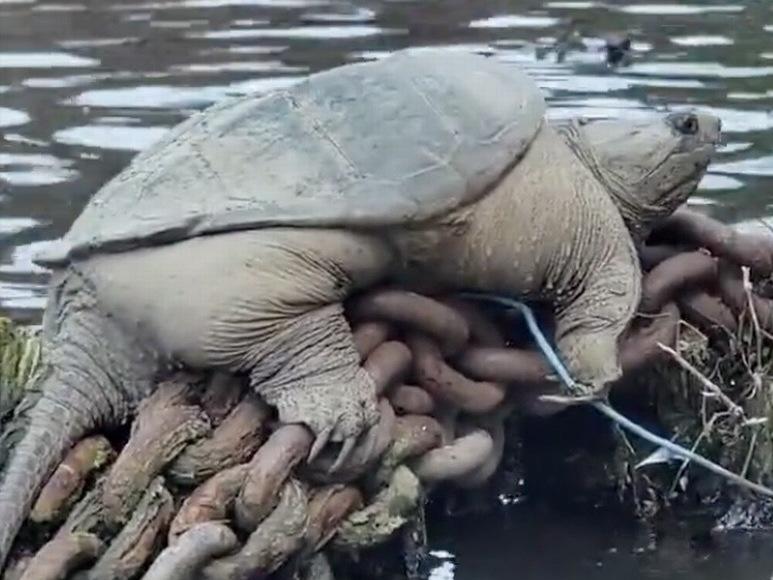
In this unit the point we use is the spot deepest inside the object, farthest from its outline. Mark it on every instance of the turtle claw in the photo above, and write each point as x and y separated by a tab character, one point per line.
343	455
371	441
319	444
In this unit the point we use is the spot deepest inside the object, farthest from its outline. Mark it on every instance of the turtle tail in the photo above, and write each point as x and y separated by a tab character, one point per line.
58	419
91	378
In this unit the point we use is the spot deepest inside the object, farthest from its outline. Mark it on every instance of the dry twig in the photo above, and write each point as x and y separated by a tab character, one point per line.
709	385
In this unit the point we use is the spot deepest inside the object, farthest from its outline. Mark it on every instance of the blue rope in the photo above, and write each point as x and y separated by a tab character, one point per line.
604	407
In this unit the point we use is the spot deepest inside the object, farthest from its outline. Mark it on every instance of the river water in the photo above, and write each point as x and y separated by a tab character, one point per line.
86	85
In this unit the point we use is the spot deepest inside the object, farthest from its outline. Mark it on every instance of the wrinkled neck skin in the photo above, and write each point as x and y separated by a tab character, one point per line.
533	235
638	215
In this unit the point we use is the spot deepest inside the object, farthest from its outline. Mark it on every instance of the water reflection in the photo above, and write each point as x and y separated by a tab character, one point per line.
756	166
44	60
11	117
128	7
26	169
306	32
678	9
59	8
111	137
173	97
21	296
352	14
702	40
266	66
15	225
515	21
700	70
541	544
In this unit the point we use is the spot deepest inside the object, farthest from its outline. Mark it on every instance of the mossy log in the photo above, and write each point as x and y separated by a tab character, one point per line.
166	422
62	555
212	501
67	482
184	559
233	441
268	471
140	539
272	543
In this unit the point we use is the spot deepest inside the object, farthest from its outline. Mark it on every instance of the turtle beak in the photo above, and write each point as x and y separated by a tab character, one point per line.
711	129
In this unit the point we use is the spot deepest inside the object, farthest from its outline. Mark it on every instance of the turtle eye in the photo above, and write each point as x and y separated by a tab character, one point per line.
687	124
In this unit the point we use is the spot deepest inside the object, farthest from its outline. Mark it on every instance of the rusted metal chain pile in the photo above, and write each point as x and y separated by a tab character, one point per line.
702	264
209	485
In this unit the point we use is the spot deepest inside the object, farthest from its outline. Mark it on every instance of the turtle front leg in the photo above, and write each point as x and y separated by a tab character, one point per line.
591	356
264	303
320	382
588	329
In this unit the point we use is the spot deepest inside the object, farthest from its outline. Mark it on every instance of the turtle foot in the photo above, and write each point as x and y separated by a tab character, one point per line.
336	413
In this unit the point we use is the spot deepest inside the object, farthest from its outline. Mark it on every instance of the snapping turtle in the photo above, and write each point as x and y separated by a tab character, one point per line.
232	243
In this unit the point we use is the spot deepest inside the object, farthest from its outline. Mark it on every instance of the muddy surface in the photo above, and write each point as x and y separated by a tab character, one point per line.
86	85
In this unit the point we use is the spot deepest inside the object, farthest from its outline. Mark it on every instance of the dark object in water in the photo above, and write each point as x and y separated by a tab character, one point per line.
618	48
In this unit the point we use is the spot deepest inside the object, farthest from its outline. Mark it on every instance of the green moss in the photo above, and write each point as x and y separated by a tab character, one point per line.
20	367
20	358
389	511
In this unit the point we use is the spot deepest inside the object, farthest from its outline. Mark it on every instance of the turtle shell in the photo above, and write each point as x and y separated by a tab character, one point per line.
375	144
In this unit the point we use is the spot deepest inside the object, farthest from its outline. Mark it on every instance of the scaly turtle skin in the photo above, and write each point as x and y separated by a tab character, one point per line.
232	244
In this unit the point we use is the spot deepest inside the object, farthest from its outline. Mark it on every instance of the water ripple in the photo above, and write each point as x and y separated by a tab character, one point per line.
743	96
22	296
62	82
45	60
111	136
130	7
148	97
602	84
21	260
758	166
735	147
515	21
174	97
263	3
578	5
60	8
311	32
239	49
10	226
32	169
361	15
98	42
699	70
679	9
12	117
714	182
16	138
273	66
702	40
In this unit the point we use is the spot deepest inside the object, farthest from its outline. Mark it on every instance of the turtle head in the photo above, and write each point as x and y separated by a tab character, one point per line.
649	166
